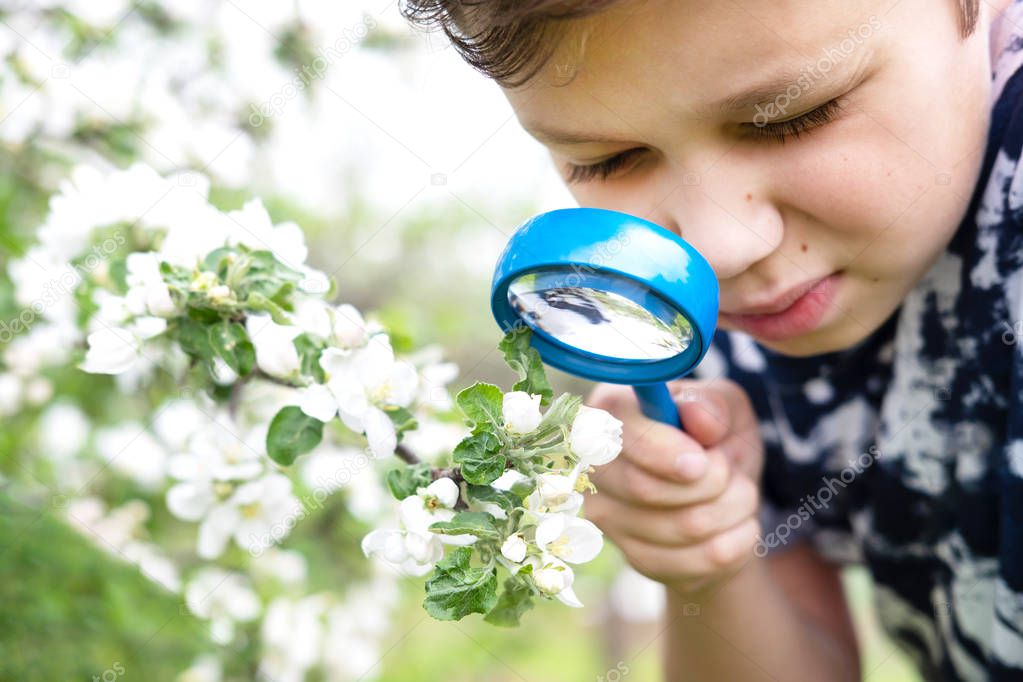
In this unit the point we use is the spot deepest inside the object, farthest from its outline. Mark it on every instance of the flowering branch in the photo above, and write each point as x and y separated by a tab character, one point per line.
243	308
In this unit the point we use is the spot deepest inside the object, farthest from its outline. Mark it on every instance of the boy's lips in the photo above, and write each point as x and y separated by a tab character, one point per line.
796	311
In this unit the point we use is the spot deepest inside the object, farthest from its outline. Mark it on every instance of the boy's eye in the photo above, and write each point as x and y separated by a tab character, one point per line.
779	131
602	170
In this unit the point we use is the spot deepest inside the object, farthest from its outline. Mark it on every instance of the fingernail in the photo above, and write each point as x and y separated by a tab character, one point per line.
691	465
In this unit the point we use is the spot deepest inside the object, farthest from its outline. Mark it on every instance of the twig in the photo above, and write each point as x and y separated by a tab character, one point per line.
407	455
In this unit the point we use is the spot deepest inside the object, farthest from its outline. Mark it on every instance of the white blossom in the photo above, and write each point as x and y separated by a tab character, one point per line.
253	228
570	539
112	350
153	564
508	479
521	412
256	515
348	328
147	291
327	470
10	393
554	577
554	494
596	436
63	431
286	566
292	637
275	349
206	668
514	548
131	450
363	384
414	548
342	326
213	459
637	598
224	598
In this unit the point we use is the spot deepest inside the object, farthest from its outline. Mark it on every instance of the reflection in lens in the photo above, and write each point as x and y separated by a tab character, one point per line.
599	321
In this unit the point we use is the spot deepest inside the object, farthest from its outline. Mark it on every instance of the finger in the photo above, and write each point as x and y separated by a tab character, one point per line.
725	552
711	409
662	450
635	485
690	524
705	413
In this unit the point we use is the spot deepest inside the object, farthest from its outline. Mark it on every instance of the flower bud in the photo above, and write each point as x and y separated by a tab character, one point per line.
514	548
596	436
521	412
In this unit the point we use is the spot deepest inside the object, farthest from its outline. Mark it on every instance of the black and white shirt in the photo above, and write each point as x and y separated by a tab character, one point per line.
905	452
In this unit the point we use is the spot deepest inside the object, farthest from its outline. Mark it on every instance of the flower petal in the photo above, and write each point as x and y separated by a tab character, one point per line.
318	402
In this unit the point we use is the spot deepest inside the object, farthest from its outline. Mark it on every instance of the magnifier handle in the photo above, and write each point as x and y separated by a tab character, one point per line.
656	403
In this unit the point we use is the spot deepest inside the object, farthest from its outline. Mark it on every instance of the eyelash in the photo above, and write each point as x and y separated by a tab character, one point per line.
774	132
603	169
782	130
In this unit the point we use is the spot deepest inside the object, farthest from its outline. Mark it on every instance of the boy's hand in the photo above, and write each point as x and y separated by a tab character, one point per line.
682	506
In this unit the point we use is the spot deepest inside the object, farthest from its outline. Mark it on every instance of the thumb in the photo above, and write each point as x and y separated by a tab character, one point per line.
703	409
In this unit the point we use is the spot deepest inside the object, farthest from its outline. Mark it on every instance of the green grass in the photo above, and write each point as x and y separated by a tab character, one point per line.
71	612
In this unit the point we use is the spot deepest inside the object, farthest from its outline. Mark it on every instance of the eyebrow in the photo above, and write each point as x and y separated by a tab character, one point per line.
760	93
555	136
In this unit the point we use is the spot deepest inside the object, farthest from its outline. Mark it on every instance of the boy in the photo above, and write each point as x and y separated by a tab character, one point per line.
850	171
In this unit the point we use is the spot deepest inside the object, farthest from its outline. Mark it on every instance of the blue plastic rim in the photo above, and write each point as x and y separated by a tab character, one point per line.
601	249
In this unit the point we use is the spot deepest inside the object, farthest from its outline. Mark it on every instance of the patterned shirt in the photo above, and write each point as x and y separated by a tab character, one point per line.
905	452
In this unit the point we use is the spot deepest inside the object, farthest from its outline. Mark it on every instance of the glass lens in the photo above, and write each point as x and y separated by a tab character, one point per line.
601	313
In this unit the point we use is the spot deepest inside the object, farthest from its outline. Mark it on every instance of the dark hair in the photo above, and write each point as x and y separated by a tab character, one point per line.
510	41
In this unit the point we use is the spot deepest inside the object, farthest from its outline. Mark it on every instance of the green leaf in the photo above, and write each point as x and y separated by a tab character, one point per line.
515	600
217	260
482	405
561	411
266	261
194	339
457	589
480	524
272	288
505	499
403	420
260	303
292	433
309	352
525	360
480	458
406	480
230	341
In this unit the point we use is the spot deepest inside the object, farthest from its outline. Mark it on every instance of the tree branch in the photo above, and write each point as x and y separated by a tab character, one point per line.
405	454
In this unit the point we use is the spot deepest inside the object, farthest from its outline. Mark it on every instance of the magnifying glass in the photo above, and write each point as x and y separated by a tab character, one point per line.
609	297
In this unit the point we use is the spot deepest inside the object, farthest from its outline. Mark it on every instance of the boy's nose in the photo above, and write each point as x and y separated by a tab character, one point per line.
729	225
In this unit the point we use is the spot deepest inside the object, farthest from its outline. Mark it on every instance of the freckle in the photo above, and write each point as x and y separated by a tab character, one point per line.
804	247
877	279
749	197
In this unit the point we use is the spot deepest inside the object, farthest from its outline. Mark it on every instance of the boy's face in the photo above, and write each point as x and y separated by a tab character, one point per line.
705	99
